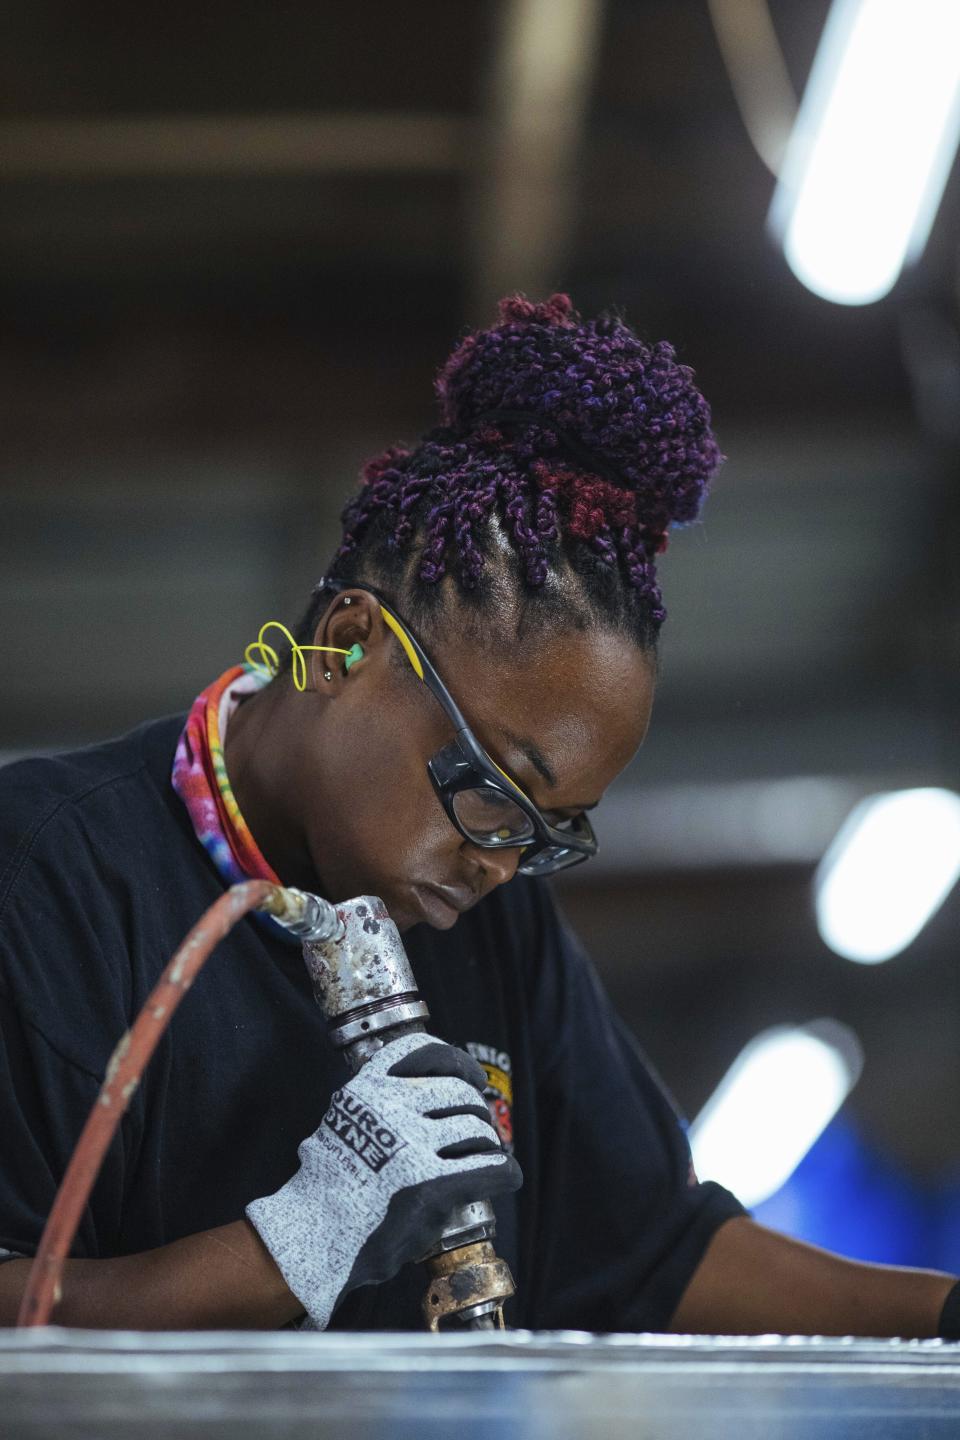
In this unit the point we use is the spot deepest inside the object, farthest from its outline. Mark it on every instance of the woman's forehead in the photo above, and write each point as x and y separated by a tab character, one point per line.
574	705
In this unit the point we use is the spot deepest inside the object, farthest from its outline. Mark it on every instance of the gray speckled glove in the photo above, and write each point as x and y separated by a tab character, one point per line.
403	1143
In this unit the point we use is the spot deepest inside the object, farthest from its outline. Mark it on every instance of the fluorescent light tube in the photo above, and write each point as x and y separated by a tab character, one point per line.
776	1099
872	146
890	868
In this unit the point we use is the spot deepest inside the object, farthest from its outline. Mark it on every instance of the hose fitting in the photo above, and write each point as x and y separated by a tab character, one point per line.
304	915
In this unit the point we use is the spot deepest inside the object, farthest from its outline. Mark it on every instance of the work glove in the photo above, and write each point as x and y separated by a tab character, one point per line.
402	1144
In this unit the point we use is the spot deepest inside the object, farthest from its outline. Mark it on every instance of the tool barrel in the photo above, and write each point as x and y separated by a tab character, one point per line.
364	984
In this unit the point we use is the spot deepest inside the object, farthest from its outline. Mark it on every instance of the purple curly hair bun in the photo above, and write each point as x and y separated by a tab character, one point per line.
630	403
582	443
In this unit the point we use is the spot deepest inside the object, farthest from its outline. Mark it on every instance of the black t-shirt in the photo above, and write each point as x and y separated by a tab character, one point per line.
101	877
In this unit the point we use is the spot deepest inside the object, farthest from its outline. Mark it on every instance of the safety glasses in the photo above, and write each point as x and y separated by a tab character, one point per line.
481	800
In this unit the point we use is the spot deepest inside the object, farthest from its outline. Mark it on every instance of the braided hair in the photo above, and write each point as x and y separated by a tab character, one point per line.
566	450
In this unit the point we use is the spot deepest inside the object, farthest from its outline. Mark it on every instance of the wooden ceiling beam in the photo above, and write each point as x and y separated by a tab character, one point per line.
537	94
278	144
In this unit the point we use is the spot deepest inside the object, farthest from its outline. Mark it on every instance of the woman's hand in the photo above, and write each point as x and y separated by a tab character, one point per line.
404	1143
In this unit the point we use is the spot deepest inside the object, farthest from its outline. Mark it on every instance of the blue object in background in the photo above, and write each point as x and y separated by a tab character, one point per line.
850	1198
948	1224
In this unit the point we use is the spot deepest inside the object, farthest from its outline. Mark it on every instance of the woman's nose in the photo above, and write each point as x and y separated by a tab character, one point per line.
498	866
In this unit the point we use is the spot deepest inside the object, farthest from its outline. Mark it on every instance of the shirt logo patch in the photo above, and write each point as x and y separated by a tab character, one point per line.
361	1130
498	1092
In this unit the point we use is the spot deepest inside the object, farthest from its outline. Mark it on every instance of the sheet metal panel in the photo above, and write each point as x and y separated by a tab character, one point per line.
519	1386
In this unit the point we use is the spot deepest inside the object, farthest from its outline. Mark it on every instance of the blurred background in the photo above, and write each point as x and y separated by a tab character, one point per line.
235	246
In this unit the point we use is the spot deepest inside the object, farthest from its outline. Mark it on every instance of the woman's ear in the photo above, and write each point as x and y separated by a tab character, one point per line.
352	623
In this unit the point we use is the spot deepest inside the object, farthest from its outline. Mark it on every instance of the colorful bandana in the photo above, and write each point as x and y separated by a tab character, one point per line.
200	779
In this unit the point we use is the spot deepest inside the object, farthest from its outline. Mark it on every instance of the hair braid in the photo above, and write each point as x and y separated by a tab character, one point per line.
575	442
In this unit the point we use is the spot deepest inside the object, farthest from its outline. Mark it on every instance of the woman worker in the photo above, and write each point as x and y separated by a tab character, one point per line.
504	567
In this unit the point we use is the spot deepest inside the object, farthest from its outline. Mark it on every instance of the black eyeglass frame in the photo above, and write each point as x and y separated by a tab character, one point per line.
549	849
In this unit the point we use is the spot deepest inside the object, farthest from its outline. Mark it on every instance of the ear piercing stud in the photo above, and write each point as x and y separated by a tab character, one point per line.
328	674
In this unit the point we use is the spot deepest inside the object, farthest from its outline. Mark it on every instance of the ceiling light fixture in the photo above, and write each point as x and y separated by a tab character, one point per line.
776	1099
872	146
891	866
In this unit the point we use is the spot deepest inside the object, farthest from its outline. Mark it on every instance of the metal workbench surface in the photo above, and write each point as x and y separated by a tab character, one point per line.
517	1385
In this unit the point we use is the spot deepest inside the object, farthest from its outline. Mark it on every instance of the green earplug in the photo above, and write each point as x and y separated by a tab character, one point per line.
354	654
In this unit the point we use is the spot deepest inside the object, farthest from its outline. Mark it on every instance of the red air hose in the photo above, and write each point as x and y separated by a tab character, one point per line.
127	1064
